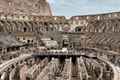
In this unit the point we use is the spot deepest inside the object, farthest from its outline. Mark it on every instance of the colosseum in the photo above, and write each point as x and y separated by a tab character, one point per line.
36	45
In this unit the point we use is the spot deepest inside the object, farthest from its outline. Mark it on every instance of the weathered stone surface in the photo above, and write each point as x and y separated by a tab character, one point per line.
29	7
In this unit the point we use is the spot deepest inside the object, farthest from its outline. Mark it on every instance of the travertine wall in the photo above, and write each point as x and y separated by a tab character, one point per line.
105	26
29	7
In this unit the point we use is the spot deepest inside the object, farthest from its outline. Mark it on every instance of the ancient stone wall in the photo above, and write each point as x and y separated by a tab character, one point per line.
49	25
29	7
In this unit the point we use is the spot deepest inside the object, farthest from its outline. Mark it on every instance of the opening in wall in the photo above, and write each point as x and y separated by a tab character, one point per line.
24	29
28	41
77	29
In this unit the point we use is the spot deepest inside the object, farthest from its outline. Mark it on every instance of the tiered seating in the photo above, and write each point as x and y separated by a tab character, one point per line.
45	71
37	68
93	69
110	40
85	67
82	67
66	73
12	74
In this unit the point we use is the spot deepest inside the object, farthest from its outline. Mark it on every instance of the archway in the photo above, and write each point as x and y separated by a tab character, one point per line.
1	29
24	29
78	29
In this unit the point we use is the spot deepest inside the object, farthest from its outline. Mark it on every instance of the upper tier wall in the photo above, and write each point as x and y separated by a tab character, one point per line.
48	18
28	7
97	16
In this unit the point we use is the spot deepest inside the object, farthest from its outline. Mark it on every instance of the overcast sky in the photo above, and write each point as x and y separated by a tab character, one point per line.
83	7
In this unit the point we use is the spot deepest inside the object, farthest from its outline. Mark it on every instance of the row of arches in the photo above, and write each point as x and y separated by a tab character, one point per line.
27	26
31	26
109	25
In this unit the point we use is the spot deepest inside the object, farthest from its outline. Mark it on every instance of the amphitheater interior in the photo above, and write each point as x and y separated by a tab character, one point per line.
38	46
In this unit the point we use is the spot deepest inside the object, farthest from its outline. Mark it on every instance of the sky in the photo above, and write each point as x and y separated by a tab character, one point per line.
83	7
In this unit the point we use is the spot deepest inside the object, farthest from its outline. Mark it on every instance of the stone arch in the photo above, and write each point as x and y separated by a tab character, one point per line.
7	26
51	26
19	25
35	25
22	26
78	29
55	26
38	27
10	25
41	27
29	25
1	27
46	26
25	27
13	25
